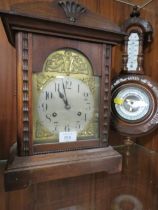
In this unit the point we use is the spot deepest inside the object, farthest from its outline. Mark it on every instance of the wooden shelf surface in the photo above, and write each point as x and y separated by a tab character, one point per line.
25	171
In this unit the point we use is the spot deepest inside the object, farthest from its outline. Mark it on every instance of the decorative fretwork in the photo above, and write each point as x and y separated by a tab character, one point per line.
25	69
72	9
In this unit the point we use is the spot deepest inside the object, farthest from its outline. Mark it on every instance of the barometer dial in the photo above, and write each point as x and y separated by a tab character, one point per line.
132	103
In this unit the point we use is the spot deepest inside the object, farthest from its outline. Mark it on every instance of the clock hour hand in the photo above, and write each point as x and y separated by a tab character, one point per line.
61	95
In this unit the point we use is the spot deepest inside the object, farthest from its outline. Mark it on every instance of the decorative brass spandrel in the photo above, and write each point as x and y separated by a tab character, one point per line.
42	133
91	130
42	79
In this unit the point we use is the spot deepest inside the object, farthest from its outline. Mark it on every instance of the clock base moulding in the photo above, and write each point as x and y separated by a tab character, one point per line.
22	172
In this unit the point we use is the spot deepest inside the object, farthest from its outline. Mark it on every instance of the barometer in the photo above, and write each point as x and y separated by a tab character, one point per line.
134	95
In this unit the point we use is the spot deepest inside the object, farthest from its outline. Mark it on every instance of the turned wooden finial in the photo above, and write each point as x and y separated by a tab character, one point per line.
135	12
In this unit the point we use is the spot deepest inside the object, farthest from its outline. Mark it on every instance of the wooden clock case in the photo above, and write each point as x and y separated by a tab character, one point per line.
35	30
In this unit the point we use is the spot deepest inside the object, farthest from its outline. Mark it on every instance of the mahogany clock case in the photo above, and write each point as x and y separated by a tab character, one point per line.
145	124
41	28
94	54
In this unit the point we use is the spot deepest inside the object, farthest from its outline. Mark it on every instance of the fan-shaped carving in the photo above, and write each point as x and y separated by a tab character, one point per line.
72	9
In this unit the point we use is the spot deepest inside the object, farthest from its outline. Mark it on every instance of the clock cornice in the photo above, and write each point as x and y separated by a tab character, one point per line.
50	18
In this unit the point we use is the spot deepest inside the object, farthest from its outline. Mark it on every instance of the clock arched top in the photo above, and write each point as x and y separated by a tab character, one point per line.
66	61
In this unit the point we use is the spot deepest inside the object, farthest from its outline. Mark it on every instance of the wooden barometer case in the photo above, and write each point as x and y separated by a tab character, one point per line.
63	83
134	95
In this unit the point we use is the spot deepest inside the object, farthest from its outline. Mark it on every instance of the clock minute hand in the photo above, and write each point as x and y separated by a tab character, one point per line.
67	106
61	95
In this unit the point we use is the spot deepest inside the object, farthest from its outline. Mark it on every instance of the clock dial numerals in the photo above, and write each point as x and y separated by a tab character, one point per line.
132	103
67	128
133	51
48	95
59	110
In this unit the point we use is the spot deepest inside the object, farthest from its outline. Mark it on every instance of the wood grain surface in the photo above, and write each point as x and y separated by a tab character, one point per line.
29	199
115	11
137	182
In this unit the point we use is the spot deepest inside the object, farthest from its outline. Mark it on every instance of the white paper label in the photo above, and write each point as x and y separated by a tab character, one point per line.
67	136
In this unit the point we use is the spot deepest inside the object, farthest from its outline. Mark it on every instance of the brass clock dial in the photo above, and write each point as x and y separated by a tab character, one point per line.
59	109
66	98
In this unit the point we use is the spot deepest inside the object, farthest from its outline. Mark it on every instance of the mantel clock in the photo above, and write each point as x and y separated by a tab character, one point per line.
134	95
63	75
